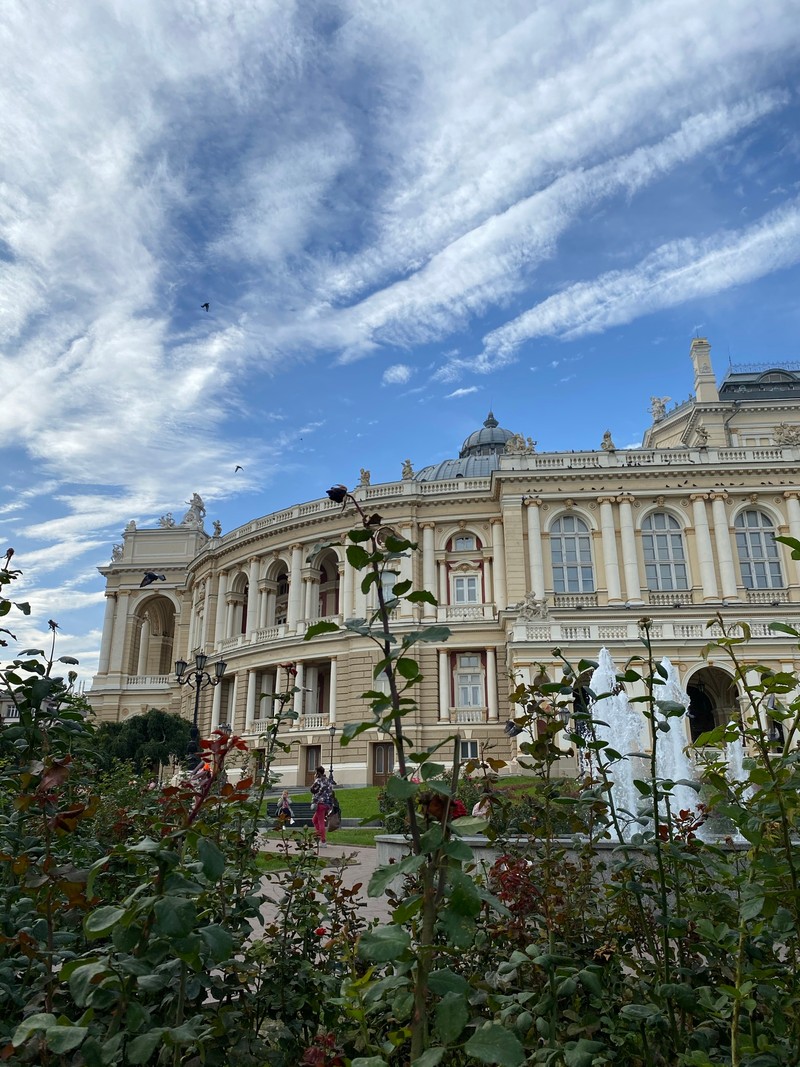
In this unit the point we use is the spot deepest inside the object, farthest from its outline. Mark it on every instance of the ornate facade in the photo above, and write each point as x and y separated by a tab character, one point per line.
525	551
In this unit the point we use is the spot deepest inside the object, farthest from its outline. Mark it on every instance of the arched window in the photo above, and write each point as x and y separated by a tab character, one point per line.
282	599
758	551
662	545
571	553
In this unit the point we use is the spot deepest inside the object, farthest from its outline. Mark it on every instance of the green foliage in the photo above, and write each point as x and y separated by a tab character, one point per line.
145	741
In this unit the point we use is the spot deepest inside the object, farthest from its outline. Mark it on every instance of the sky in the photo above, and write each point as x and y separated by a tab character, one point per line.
401	215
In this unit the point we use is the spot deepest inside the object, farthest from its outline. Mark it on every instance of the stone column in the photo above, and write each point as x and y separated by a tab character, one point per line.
444	686
311	585
535	559
705	553
252	597
250	709
222	608
406	610
108	630
332	694
204	635
144	646
793	515
120	629
610	558
441	583
263	602
295	588
233	699
299	697
216	705
428	568
346	585
722	536
491	684
499	553
633	590
195	599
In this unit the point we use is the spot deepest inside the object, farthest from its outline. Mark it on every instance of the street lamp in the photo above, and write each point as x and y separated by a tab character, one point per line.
197	679
332	732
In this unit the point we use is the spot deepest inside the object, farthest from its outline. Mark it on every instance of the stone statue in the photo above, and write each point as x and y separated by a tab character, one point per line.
116	553
364	480
607	444
517	445
196	513
130	528
217	528
166	522
784	434
532	607
702	436
658	406
408	470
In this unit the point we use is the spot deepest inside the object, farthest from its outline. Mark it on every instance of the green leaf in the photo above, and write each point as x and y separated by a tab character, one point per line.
401	788
446	981
31	1025
458	850
451	1017
383	876
429	1058
211	858
317	628
383	944
782	627
469	824
83	978
431	770
422	596
494	1044
407	668
62	1039
175	916
751	906
402	587
101	920
432	633
583	1053
142	1047
368	1061
357	557
353	729
218	940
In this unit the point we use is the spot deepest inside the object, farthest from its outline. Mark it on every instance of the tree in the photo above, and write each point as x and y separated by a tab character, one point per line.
145	740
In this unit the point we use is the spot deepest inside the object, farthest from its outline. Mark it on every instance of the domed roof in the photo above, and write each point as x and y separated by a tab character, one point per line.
490	440
479	455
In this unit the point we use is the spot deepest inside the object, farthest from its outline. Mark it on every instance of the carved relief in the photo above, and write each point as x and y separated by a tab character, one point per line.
784	434
532	607
517	445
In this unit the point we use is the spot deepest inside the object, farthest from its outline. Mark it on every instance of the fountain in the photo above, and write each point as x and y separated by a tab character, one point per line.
672	762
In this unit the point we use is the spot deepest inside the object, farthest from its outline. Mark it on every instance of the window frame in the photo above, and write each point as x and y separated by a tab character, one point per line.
566	544
662	569
747	536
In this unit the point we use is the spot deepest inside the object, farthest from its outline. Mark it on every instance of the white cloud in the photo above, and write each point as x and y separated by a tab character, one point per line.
461	392
398	374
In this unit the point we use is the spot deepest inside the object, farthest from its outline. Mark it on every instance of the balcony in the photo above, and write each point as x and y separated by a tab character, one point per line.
270	633
772	597
575	600
467	715
148	681
465	612
666	599
315	722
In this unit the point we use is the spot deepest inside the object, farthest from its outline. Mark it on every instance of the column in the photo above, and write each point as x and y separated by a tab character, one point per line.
108	629
312	687
491	684
441	583
250	709
233	697
216	705
263	602
428	568
793	515
297	705
332	696
610	559
444	686
144	646
310	587
120	629
499	553
222	589
705	553
192	640
295	588
722	536
346	585
252	597
204	635
633	591
535	559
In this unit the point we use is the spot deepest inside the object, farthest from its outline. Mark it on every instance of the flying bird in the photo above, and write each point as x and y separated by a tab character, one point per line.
238	467
205	307
150	577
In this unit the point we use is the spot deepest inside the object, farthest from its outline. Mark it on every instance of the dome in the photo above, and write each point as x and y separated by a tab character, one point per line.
489	440
479	455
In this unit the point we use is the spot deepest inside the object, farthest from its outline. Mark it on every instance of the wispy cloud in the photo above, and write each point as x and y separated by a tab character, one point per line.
457	393
398	374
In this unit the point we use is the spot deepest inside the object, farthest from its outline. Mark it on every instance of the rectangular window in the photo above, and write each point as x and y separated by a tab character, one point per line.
463	544
465	589
470	691
469	750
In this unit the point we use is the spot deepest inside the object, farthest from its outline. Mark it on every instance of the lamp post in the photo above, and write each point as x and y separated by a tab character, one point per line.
332	732
197	679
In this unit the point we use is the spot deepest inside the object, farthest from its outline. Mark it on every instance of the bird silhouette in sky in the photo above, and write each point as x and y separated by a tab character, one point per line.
205	306
238	467
150	577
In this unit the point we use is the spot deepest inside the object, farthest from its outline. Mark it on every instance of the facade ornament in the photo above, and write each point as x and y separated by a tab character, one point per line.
364	477
196	513
408	470
166	522
702	436
517	445
607	443
658	406
532	607
569	504
660	501
784	434
217	528
130	528
116	553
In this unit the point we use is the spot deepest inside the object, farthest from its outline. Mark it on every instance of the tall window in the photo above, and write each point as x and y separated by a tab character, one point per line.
466	589
469	750
282	599
662	544
464	543
469	681
571	553
758	551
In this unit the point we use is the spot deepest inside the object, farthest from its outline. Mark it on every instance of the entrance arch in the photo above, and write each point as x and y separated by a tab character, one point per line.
713	700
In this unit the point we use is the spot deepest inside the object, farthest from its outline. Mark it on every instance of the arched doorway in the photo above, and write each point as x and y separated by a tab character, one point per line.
153	637
713	700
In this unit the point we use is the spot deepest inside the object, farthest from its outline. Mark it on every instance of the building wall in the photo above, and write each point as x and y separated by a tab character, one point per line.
220	592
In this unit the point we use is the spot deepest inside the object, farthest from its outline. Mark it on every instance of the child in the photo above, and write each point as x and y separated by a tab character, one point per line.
284	808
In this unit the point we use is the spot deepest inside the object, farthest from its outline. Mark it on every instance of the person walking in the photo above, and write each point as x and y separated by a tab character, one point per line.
284	808
322	797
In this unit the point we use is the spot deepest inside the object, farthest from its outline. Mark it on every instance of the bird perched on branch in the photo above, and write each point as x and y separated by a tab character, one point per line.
150	577
205	306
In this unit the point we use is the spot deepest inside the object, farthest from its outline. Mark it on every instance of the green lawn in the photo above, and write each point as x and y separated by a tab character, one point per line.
358	836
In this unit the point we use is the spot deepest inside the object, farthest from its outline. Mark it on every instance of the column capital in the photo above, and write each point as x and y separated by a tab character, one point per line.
253	559
791	494
625	498
719	494
607	499
698	496
427	525
296	547
532	501
496	522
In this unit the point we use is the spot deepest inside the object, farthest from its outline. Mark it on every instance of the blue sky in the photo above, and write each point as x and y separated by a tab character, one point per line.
402	215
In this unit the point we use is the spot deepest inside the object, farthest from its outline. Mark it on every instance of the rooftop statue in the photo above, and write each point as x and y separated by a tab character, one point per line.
408	470
364	480
532	607
166	522
517	445
658	406
607	443
196	513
